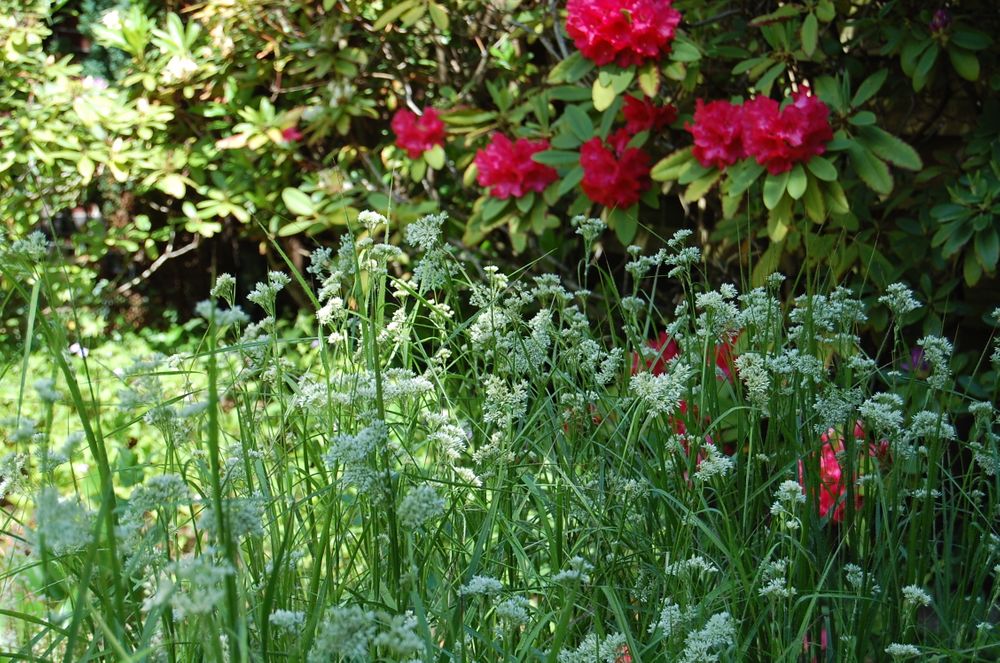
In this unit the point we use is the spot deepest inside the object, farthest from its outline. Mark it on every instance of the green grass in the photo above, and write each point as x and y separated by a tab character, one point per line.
469	466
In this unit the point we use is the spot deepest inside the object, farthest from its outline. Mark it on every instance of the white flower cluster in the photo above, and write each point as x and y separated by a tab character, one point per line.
661	393
858	579
222	317
752	369
897	650
915	595
224	288
937	353
595	650
400	638
12	474
899	299
709	642
420	506
346	631
504	404
513	611
190	586
244	517
588	228
776	584
62	525
484	585
264	294
788	497
692	566
578	571
714	464
289	621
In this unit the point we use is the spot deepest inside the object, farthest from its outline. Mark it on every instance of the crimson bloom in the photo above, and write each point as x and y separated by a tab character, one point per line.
614	175
627	32
416	134
507	167
833	484
644	115
291	134
779	138
718	133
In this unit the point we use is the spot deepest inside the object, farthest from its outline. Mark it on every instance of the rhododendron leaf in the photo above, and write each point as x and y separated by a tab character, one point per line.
697	189
639	139
812	200
828	90
870	87
782	14
649	79
684	51
671	166
810	34
767	80
965	63
862	119
774	189
418	169
602	95
414	15
439	16
924	66
746	65
565	141
910	53
742	175
767	264
822	168
797	181
493	207
970	39
525	202
624	222
570	93
579	123
556	158
826	11
171	184
571	70
393	13
890	148
435	157
779	221
873	171
693	172
298	202
609	116
988	248
836	199
570	181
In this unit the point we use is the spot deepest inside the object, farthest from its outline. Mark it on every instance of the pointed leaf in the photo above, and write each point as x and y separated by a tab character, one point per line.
774	189
810	34
870	87
988	248
873	171
671	166
890	148
797	182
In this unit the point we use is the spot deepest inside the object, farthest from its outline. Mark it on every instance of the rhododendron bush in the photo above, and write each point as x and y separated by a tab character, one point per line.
782	132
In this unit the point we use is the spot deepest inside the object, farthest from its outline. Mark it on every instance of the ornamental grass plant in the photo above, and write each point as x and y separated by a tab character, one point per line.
446	463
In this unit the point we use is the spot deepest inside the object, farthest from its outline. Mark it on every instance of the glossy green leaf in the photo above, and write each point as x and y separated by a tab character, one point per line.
988	248
924	66
671	166
435	157
602	95
869	87
822	168
556	158
697	189
742	176
797	182
774	189
298	202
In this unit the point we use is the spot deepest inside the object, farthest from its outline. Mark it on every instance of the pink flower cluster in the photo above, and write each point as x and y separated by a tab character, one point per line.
508	169
626	32
417	134
777	138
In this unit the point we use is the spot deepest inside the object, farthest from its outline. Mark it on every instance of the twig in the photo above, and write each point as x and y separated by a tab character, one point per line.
164	257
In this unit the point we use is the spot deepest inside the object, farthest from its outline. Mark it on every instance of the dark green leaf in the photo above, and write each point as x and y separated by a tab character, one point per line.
965	62
579	123
873	171
924	66
890	148
742	176
870	87
969	39
556	158
988	248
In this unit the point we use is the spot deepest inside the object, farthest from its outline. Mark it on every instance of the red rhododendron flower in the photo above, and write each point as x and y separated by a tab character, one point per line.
718	133
779	138
832	482
628	32
644	115
291	134
614	175
509	169
416	134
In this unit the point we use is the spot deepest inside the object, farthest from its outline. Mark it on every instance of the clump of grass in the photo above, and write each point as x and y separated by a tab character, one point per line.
481	467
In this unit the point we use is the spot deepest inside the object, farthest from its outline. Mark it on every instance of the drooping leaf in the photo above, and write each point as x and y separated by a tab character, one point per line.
671	166
810	34
869	87
873	171
797	182
890	148
822	168
774	189
965	62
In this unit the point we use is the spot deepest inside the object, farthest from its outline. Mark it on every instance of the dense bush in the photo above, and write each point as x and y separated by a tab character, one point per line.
456	468
277	119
